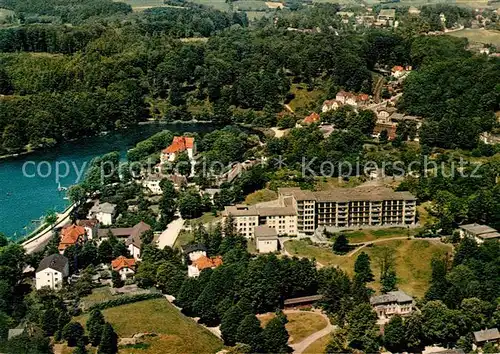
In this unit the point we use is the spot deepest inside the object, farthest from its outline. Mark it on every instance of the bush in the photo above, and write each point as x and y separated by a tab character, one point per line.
124	300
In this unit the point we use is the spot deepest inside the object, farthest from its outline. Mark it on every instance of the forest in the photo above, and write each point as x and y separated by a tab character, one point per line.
113	69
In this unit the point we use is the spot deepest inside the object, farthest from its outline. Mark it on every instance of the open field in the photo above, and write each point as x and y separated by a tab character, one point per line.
217	4
412	260
300	325
184	238
176	333
479	35
372	235
141	5
319	346
257	15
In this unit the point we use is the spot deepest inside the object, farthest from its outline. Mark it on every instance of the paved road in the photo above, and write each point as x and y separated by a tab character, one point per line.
168	237
37	242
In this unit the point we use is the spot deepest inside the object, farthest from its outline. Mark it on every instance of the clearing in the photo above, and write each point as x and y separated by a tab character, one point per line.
176	333
305	100
372	235
300	324
479	35
412	260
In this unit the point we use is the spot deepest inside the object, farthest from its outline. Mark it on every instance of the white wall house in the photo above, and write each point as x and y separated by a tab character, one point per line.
124	266
51	272
266	239
104	212
152	182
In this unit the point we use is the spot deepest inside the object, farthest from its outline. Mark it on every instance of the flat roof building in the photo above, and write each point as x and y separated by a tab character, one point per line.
479	232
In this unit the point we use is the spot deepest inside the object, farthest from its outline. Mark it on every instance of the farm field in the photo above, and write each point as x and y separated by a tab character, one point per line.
412	260
300	325
479	35
176	333
141	5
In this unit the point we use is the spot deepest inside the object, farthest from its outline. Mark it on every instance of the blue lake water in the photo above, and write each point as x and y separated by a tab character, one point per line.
23	199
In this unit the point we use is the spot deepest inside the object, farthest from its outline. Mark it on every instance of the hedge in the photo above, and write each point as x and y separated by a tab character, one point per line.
123	300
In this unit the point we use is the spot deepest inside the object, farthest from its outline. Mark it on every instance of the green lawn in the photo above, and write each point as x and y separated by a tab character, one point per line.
98	295
184	238
206	218
371	235
304	99
249	5
479	35
217	4
412	260
176	333
319	346
300	325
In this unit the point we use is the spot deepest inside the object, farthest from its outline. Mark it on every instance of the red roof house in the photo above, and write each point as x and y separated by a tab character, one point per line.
312	118
71	235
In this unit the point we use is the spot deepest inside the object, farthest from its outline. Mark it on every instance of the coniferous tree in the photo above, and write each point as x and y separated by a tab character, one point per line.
95	325
73	333
341	244
109	340
362	268
250	332
230	323
276	336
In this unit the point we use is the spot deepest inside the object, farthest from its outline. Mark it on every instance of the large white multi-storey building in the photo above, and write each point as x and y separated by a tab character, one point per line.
301	212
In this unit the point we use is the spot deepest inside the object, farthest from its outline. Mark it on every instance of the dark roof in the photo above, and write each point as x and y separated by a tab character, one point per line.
450	351
486	335
392	296
135	235
303	299
54	261
193	248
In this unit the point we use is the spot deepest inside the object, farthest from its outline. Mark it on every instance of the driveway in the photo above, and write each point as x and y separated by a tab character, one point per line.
168	237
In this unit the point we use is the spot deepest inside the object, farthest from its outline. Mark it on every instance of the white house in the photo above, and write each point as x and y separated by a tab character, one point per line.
91	227
152	182
330	105
392	303
179	145
124	266
134	241
52	271
266	239
104	212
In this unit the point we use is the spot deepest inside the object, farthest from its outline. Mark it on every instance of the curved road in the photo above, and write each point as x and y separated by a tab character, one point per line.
36	242
299	347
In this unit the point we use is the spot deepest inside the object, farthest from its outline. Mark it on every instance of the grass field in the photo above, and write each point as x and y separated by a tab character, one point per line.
217	4
412	260
479	35
263	195
184	238
98	295
141	5
371	235
249	5
257	15
304	99
318	347
176	333
300	325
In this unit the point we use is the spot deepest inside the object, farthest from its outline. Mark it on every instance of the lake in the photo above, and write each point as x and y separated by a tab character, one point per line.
27	196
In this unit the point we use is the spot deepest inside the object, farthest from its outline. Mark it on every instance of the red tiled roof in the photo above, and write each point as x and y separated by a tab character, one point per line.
122	262
312	118
70	235
363	97
204	262
397	68
87	223
179	144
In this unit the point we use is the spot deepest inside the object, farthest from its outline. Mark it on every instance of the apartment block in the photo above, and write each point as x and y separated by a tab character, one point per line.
280	216
350	207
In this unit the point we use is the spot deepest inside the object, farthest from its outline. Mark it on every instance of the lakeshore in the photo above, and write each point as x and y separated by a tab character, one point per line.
25	200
